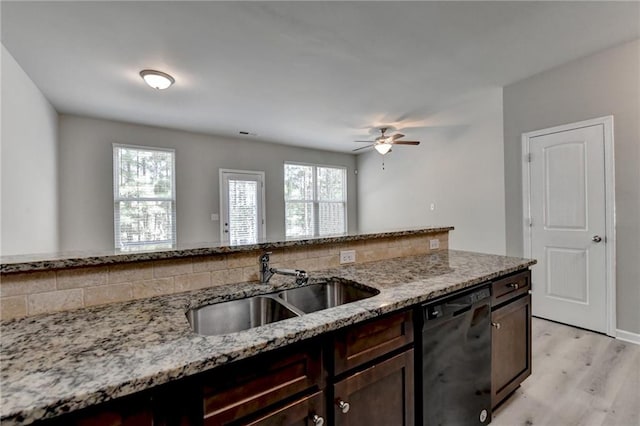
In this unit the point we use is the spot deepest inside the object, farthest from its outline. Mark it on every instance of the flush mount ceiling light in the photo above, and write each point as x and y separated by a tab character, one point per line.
157	79
383	147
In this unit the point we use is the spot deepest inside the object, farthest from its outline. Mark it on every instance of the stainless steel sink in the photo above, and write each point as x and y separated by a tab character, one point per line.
315	297
237	315
243	314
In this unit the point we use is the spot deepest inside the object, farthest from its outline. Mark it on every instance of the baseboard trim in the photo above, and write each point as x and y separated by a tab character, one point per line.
627	336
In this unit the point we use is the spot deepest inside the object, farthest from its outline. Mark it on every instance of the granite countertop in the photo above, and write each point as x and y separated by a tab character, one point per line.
47	261
56	363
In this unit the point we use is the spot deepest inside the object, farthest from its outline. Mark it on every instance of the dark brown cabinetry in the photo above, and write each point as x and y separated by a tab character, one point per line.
379	395
373	373
511	335
132	411
362	343
307	411
239	391
369	364
361	374
368	368
117	418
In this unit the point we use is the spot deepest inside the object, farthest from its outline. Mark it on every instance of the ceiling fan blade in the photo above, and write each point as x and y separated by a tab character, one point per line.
366	141
406	143
397	136
364	147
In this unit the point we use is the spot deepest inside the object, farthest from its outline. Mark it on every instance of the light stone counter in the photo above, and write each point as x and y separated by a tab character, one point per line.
63	260
57	363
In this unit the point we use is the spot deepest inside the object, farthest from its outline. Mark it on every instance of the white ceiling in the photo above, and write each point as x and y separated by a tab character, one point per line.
315	74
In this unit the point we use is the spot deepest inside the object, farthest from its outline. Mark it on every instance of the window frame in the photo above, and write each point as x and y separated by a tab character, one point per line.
117	199
315	202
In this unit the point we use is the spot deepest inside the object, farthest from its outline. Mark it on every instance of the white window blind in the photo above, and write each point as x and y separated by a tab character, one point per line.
144	197
243	212
315	200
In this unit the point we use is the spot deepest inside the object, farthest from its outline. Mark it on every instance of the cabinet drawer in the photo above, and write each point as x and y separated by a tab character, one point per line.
508	288
250	386
362	343
301	412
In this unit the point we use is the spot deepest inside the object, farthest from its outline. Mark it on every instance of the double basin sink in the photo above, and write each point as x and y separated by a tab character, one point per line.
243	314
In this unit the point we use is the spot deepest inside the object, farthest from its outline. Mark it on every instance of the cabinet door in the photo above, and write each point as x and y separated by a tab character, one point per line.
510	347
307	411
379	395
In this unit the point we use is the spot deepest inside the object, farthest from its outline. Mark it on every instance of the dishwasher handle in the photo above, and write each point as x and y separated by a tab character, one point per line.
454	306
462	310
443	311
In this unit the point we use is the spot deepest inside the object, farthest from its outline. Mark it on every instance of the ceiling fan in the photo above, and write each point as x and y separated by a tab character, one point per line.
383	143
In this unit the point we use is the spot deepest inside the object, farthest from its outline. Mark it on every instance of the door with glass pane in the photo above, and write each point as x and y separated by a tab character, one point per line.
242	206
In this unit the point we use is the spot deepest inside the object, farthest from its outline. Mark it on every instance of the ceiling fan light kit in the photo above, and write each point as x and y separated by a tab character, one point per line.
383	148
383	143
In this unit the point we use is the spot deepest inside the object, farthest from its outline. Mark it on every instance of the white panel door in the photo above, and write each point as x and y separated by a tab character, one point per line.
567	193
242	207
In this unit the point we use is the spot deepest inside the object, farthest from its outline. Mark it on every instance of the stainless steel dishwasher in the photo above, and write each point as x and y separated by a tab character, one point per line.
456	360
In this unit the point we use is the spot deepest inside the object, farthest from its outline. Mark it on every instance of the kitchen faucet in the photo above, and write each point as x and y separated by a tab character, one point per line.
266	272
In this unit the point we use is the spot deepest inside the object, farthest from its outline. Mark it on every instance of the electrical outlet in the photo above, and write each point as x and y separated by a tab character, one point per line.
215	217
434	244
347	256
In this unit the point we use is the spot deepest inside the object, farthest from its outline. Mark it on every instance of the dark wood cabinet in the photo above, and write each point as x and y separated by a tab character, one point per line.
373	372
368	366
287	387
365	342
510	288
307	411
239	391
382	394
510	338
125	417
129	411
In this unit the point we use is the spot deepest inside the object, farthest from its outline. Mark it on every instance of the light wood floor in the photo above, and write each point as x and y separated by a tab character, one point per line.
579	378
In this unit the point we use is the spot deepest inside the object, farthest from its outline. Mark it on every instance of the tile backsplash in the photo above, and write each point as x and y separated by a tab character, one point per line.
32	293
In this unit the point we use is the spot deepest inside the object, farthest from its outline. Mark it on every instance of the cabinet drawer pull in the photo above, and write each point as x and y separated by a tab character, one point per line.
496	325
343	406
514	286
317	420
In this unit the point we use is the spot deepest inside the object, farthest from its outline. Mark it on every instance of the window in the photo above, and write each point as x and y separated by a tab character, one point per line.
144	197
315	200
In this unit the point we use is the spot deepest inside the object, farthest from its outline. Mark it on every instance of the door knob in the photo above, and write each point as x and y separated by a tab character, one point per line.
343	406
496	325
596	238
317	420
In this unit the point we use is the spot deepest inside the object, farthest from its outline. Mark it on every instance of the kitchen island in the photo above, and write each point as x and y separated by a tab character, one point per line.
58	363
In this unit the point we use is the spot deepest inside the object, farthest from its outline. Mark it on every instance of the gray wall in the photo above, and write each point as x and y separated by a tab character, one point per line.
29	170
86	178
458	166
607	83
